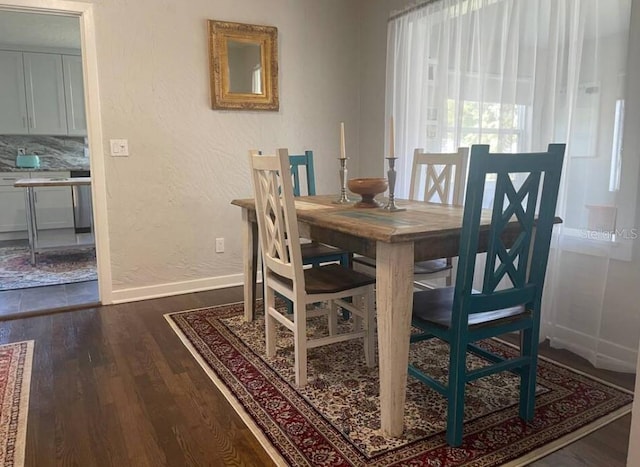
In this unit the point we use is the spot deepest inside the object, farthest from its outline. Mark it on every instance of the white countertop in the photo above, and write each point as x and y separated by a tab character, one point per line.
35	182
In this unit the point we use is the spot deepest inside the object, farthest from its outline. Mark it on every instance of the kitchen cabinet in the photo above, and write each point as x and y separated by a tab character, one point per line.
44	84
13	213
41	94
74	95
13	111
54	206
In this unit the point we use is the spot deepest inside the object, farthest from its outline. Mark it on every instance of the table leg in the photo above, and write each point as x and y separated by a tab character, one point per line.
250	253
394	295
32	227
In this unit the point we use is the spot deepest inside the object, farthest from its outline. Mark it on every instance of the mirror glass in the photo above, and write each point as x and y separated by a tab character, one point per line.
244	66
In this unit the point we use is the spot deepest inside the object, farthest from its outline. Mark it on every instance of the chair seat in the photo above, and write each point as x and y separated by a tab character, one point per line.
317	250
422	267
331	278
434	307
431	266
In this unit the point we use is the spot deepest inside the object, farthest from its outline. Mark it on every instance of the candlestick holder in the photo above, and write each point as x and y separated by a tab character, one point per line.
344	199
391	177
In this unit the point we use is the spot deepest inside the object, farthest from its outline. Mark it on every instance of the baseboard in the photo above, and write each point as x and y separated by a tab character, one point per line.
175	288
19	235
599	352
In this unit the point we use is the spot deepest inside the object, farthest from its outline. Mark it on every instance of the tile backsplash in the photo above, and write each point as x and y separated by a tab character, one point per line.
56	152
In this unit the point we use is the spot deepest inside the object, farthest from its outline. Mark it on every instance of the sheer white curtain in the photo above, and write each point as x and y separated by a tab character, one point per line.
519	75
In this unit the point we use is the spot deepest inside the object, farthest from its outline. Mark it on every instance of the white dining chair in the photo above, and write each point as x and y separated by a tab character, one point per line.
435	178
284	273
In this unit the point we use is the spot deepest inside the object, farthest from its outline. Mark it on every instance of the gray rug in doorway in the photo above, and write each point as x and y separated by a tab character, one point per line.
52	268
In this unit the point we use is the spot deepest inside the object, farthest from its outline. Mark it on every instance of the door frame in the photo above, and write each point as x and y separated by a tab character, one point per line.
84	13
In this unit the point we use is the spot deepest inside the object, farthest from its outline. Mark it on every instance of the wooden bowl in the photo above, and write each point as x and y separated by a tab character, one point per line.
367	188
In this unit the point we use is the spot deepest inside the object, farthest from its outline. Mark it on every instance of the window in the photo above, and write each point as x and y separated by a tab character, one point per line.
501	126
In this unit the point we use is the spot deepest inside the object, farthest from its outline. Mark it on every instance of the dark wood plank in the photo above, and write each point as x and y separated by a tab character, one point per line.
114	386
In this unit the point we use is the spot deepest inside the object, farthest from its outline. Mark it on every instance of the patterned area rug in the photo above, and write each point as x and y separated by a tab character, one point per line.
335	419
52	268
15	378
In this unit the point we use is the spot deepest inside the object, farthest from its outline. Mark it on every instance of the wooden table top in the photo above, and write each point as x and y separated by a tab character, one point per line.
433	228
37	182
420	220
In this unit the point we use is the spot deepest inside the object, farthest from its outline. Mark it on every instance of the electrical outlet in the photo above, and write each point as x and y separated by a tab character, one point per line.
220	245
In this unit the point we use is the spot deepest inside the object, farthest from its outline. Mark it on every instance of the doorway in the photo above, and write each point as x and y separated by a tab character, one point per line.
55	146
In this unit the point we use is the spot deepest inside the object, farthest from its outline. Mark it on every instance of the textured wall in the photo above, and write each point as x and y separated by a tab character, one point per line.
373	55
169	200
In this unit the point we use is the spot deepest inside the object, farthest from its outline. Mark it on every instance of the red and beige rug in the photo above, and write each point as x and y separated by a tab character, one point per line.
52	268
15	379
335	419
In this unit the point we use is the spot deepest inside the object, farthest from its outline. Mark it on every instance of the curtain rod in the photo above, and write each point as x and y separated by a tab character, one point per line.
411	8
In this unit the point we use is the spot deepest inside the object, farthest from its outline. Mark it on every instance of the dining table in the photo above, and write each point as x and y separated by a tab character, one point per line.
396	239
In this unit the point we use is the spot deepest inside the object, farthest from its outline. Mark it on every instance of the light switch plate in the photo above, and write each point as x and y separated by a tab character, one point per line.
119	147
220	245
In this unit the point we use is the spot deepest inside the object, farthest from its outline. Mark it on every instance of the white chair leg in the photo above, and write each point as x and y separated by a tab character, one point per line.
270	324
300	342
358	322
333	318
370	328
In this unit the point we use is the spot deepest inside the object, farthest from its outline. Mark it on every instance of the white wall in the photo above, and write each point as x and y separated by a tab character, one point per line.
373	55
169	200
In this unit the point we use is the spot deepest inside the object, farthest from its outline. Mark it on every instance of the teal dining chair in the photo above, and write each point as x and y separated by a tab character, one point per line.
296	162
313	253
461	316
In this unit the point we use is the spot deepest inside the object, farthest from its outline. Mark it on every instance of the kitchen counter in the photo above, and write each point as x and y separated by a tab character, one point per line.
11	167
35	182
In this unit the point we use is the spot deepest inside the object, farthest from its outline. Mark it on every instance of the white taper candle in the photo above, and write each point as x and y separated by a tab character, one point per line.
391	141
343	153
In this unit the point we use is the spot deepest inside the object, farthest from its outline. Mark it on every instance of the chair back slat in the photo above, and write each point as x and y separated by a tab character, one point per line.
275	210
440	175
524	262
296	162
502	299
507	205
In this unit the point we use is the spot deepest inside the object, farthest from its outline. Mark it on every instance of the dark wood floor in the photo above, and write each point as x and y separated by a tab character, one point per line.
114	386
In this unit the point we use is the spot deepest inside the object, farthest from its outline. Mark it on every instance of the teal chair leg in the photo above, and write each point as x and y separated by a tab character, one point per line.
455	399
528	375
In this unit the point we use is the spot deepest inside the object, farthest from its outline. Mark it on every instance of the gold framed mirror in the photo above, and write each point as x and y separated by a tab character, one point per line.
244	66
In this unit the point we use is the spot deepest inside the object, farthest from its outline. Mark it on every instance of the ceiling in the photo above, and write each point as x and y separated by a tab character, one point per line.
39	30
